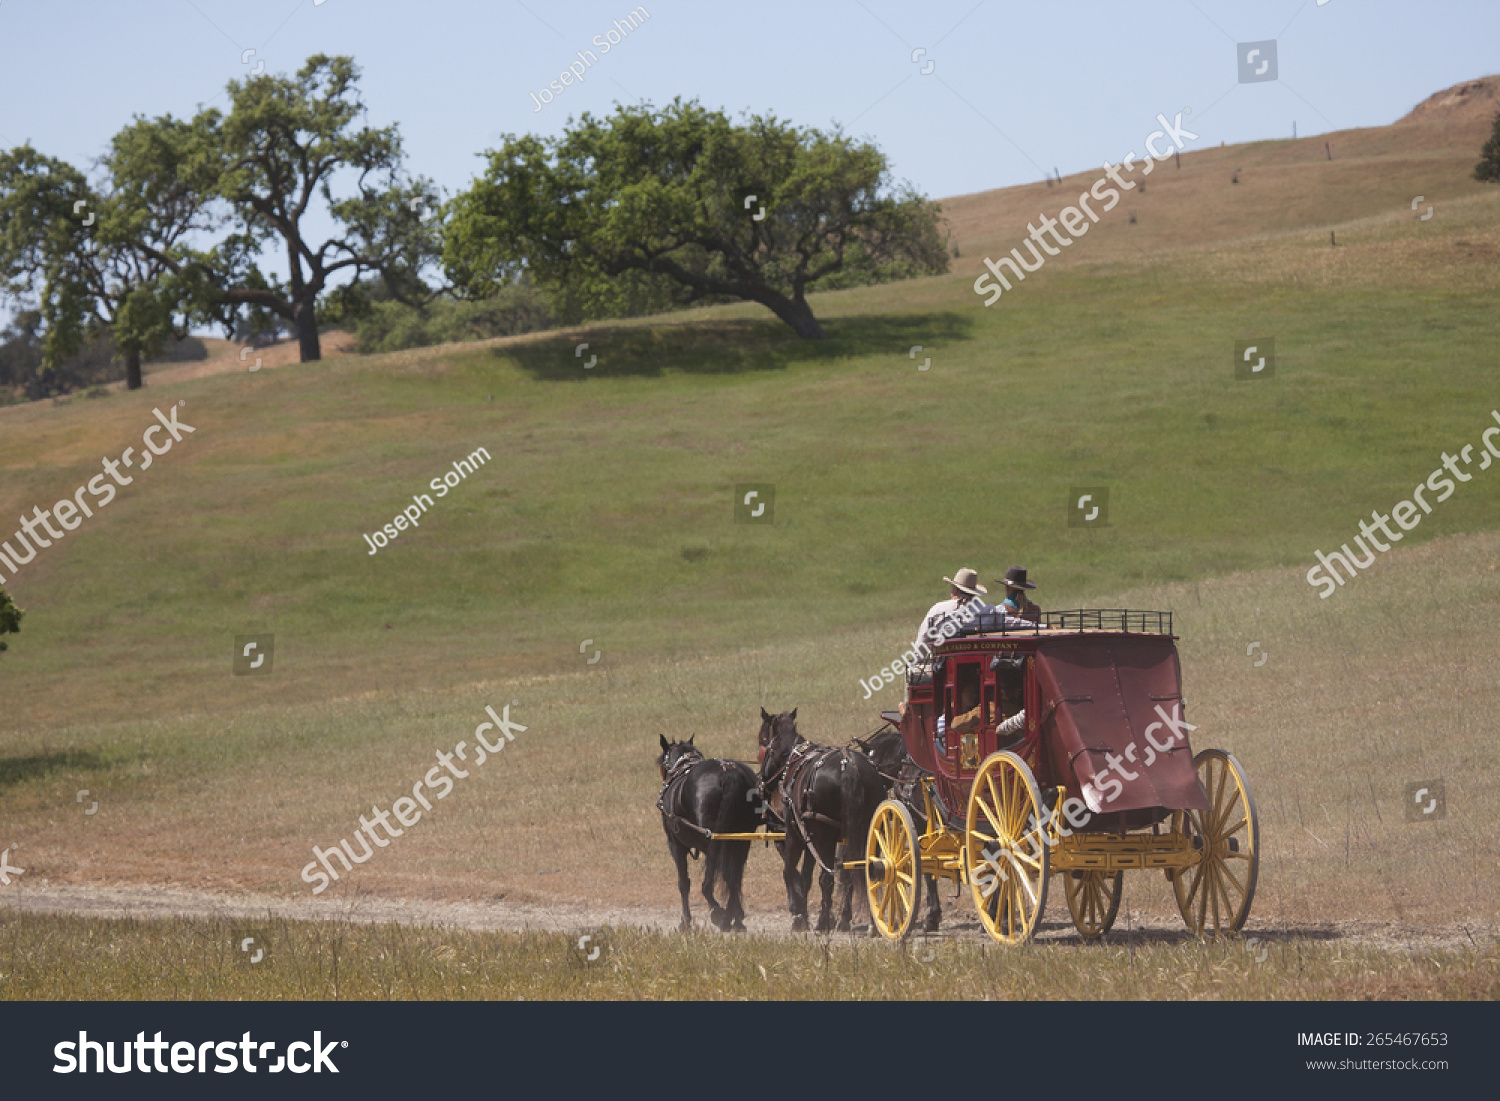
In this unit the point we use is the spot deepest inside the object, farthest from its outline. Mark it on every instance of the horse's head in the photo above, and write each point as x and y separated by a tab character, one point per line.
778	737
673	752
885	748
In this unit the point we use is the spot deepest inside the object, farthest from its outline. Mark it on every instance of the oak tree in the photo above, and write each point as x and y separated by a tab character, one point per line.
682	205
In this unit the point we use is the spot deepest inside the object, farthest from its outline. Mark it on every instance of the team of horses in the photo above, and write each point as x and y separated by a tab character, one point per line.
822	797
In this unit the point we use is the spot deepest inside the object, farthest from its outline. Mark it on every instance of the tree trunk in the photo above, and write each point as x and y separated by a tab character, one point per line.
307	332
133	371
796	313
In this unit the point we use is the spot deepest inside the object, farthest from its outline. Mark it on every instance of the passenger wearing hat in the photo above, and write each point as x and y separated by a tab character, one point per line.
964	606
1016	602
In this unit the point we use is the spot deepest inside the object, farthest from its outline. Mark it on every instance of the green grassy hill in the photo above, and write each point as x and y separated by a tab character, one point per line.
606	512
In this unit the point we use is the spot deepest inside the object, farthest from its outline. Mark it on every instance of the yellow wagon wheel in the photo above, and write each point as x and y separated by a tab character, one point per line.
1005	851
893	870
1215	894
1093	900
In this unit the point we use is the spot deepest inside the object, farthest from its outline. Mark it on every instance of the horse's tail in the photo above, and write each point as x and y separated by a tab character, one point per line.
864	788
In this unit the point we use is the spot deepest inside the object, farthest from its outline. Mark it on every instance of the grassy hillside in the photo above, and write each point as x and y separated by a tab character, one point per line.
606	514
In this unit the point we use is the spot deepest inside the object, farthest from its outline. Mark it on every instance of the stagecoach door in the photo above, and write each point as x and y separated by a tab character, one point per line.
968	709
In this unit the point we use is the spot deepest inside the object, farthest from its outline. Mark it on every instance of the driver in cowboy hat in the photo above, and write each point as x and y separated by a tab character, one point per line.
1016	603
963	605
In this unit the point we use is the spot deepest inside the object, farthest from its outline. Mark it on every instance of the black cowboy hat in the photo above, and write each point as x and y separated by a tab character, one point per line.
1015	578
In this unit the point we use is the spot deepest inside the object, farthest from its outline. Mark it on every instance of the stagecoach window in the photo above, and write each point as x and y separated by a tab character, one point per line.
1010	680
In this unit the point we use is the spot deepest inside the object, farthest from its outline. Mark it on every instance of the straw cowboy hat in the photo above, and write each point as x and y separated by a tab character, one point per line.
1015	578
967	580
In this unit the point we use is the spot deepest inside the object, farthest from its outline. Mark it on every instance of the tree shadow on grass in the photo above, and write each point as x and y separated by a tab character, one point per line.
17	770
732	347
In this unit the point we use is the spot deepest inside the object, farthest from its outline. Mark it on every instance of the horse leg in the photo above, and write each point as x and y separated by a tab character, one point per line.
796	888
735	855
934	906
825	885
845	891
684	883
710	880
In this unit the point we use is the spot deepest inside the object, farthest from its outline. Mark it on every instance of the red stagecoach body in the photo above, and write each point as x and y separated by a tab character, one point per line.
1095	700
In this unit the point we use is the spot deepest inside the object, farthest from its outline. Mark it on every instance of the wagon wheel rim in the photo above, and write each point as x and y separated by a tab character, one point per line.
1093	900
1214	895
1005	854
893	870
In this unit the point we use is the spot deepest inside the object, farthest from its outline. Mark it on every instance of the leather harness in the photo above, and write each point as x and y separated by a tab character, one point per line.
795	777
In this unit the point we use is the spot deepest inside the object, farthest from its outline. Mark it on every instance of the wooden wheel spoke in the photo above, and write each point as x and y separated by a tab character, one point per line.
1223	871
994	816
1022	858
1196	878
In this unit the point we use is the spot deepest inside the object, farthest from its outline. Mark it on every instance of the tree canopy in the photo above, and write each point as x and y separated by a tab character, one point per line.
649	208
282	143
111	257
10	617
1488	168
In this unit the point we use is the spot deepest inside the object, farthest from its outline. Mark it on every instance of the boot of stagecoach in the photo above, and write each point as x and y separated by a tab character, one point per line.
1063	750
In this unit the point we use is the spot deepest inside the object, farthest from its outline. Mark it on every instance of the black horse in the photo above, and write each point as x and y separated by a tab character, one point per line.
699	797
886	750
825	795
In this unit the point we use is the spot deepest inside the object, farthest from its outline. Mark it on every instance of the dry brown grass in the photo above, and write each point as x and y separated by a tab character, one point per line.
63	958
1284	187
1359	696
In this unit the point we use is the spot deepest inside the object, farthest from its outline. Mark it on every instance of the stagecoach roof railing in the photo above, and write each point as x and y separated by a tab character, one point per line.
1110	619
1124	620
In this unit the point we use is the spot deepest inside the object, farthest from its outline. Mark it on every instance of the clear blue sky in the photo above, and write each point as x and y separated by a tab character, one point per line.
1014	88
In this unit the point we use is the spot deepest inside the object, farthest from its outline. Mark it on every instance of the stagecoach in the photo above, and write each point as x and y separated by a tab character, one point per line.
1060	751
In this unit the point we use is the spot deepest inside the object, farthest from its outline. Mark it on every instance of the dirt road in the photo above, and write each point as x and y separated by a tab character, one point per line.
147	903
